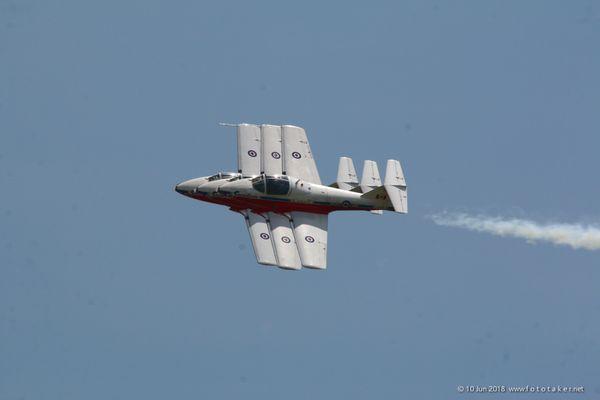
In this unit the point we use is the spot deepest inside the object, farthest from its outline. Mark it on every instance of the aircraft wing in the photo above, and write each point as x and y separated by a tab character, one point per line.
274	150
290	242
298	160
310	231
260	235
284	241
272	239
249	149
272	153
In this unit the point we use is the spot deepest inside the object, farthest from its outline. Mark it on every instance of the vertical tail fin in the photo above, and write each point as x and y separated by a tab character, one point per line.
395	186
370	176
346	178
370	179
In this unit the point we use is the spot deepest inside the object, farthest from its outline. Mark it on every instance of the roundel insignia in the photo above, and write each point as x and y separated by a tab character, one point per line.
285	239
276	155
252	153
309	239
264	235
346	203
296	155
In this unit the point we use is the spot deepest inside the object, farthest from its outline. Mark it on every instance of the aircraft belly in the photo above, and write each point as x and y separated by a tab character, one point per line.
282	204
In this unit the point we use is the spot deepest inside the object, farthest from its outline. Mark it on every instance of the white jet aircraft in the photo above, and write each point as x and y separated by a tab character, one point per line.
278	191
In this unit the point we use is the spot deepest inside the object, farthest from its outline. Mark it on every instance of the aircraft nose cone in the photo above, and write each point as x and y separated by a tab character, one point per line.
186	187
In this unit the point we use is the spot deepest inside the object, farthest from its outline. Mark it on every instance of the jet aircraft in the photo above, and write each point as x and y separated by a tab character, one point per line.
278	190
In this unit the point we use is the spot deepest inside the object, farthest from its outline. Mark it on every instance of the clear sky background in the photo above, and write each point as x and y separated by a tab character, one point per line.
113	286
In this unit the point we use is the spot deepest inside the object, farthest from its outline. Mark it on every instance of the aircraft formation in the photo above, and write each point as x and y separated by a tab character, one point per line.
278	191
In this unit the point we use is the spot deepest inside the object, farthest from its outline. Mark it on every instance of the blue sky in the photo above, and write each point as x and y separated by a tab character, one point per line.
113	286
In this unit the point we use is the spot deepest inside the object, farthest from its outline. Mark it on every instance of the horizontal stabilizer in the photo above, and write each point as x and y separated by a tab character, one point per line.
378	192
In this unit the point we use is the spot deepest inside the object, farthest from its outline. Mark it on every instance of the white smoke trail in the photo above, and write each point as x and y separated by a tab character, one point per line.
577	236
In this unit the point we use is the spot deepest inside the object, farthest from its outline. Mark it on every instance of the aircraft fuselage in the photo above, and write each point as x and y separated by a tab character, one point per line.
279	194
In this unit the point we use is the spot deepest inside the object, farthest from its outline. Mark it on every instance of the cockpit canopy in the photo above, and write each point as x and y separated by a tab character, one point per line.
272	184
223	175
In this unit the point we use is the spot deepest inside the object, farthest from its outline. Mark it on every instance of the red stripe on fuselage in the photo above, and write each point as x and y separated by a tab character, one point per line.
262	205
